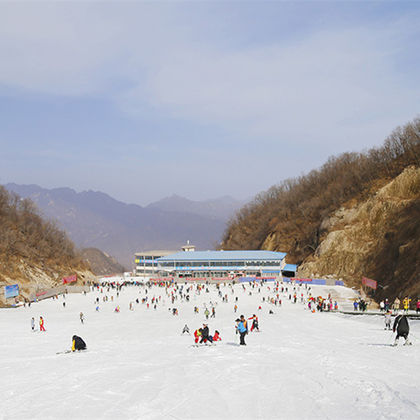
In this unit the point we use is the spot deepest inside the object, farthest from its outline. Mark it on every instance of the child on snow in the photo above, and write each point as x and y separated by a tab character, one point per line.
387	320
216	336
197	335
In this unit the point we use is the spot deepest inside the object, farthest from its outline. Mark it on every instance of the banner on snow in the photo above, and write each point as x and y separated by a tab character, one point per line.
373	284
11	291
70	279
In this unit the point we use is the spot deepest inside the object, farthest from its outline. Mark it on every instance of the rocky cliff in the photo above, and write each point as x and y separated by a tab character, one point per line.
378	238
357	215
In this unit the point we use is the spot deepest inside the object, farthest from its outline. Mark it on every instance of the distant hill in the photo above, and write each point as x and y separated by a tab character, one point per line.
94	219
101	263
221	208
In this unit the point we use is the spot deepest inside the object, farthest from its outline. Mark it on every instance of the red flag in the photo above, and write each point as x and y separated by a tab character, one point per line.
369	283
70	279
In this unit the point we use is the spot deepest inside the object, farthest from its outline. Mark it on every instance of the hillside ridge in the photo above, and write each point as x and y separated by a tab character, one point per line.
313	217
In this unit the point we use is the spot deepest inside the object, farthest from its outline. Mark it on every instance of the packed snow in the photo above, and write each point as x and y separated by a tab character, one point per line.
301	365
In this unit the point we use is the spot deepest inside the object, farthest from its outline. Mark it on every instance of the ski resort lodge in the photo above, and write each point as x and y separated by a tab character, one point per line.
212	264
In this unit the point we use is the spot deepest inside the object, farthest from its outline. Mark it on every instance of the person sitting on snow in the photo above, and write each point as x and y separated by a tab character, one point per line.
78	344
197	335
216	336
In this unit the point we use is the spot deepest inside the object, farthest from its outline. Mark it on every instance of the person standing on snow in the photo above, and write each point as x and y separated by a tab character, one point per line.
185	329
406	303
33	324
387	320
254	325
241	329
41	324
402	328
82	317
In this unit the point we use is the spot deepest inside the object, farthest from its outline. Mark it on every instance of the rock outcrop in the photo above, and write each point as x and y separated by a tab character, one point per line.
378	238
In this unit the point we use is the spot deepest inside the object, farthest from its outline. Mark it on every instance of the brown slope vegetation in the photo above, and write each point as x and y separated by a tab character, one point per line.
289	216
101	263
377	238
33	252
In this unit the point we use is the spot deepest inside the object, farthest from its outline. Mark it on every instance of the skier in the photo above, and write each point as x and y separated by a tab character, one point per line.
241	329
254	323
205	335
78	343
402	328
33	324
185	329
245	322
207	313
82	317
387	320
41	324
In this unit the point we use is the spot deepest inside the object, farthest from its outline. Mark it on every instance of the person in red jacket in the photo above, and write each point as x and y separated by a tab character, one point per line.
197	335
254	323
216	336
41	324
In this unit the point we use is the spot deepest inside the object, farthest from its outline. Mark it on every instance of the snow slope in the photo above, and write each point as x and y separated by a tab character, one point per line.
138	366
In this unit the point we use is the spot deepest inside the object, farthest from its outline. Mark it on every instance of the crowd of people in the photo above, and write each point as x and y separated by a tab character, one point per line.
268	297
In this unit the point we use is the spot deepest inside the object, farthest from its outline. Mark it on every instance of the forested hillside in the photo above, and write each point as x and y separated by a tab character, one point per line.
295	216
101	263
33	252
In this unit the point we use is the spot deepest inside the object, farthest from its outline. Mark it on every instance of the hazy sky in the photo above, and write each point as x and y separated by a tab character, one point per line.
202	99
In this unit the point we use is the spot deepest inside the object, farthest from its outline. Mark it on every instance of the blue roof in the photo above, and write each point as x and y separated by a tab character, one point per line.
223	256
290	267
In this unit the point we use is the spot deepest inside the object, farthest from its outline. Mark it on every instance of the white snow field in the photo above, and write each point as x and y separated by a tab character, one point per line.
301	365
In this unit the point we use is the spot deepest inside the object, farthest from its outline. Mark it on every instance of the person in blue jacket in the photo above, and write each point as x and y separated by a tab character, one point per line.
241	328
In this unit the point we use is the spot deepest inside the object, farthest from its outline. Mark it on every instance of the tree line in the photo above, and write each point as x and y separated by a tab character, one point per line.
25	235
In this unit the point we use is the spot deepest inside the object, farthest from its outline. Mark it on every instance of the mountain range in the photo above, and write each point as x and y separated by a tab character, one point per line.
94	219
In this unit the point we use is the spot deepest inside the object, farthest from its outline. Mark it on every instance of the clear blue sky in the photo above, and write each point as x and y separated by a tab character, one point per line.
143	100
